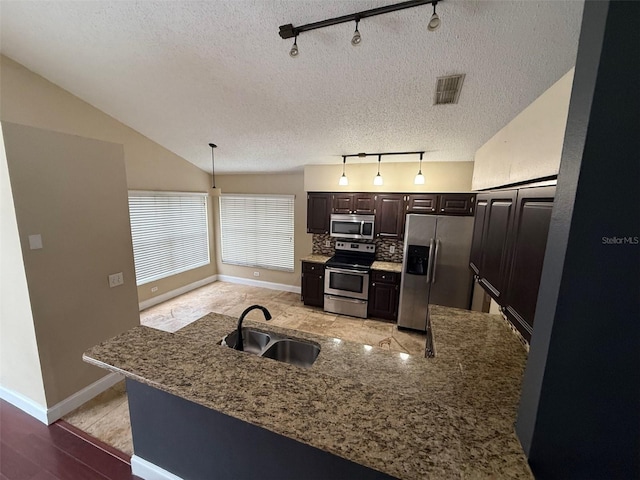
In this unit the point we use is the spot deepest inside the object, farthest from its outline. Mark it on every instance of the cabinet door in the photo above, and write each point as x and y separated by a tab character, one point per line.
529	242
456	204
475	258
422	203
313	284
342	203
383	296
318	212
494	266
363	203
389	215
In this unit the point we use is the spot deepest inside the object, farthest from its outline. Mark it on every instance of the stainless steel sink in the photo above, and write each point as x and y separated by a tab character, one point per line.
298	353
276	347
253	341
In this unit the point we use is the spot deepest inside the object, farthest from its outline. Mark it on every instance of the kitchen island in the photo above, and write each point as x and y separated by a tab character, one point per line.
408	417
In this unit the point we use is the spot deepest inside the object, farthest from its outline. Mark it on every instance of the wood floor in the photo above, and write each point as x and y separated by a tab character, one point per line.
33	451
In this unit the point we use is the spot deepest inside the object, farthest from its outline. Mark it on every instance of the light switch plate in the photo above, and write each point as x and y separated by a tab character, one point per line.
116	279
35	242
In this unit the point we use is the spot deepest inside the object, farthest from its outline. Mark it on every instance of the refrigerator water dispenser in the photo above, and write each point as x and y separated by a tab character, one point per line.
417	259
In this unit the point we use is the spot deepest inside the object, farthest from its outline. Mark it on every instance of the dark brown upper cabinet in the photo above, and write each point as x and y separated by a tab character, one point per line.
389	215
421	203
494	264
318	212
528	245
356	203
456	204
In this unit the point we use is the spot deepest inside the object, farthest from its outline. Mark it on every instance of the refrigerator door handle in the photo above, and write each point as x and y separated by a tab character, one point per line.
435	261
430	264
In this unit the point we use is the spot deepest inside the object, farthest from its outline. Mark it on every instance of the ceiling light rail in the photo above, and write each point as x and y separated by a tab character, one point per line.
289	31
419	180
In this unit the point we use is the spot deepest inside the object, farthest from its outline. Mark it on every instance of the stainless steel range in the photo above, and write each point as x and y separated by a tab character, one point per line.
346	279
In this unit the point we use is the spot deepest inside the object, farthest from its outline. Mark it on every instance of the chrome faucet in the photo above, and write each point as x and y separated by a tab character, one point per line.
267	316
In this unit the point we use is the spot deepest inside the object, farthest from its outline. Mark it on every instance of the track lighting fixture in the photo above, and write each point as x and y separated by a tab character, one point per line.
343	179
434	21
377	180
289	31
213	165
357	38
419	180
294	49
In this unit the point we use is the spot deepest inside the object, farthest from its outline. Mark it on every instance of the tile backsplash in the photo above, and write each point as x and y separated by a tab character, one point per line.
383	247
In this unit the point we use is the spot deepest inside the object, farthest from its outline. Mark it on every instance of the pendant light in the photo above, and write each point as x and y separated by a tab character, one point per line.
377	180
357	38
434	21
419	180
294	49
213	165
344	181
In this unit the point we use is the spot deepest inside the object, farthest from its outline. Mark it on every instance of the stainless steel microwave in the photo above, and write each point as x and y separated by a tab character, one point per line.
352	226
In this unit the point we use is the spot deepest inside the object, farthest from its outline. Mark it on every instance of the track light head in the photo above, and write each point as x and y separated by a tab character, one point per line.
293	53
357	38
434	21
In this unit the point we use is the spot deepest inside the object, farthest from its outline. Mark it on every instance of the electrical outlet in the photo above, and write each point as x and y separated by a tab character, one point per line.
392	249
327	243
256	274
154	289
116	279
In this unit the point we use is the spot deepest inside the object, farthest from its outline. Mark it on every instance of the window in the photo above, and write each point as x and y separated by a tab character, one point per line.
170	233
257	230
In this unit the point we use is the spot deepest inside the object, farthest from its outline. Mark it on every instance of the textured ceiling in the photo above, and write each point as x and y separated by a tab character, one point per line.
188	73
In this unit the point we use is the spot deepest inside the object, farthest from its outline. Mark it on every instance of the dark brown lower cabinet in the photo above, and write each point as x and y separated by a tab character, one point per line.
384	294
313	284
528	245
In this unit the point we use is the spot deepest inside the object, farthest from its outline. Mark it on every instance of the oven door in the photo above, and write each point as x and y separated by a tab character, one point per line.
346	283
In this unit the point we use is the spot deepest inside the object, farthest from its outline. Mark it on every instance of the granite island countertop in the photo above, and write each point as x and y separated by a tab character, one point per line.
450	416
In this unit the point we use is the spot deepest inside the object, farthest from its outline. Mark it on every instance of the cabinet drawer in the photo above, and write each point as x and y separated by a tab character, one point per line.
310	267
384	277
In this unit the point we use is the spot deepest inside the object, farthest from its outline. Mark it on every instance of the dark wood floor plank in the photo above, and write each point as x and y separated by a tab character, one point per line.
16	466
93	457
34	451
48	456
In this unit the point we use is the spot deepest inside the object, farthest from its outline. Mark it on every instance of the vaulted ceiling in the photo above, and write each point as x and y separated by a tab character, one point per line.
188	73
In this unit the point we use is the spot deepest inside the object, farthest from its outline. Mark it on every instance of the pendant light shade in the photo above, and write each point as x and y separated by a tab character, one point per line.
344	181
377	180
213	166
294	49
434	21
419	180
357	38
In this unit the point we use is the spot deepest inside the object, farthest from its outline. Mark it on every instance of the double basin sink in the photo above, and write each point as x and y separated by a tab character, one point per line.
270	345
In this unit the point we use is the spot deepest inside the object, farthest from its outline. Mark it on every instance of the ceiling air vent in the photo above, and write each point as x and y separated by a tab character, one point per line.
448	89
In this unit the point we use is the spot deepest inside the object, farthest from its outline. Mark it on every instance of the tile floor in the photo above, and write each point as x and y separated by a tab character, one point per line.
106	417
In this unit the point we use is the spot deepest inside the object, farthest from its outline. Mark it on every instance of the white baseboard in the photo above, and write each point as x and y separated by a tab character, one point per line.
174	293
150	471
25	404
69	404
259	283
60	409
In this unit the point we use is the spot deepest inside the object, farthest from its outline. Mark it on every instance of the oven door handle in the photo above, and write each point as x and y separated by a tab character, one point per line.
340	270
345	299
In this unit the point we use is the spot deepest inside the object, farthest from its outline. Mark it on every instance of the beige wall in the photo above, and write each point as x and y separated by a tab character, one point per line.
19	360
28	99
398	177
530	146
283	184
73	192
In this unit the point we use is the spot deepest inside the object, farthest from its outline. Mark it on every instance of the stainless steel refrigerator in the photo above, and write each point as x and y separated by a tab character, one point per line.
435	267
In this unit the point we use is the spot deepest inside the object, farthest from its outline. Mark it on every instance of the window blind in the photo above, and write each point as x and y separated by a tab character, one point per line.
257	230
170	233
